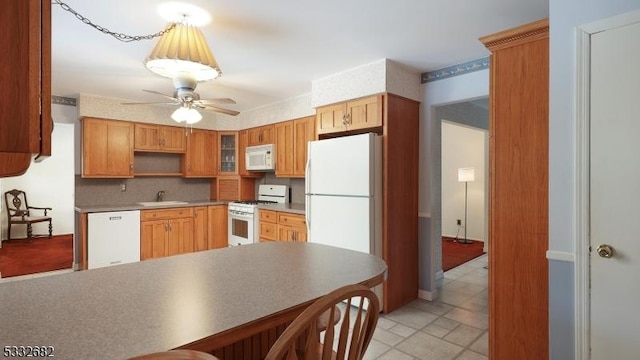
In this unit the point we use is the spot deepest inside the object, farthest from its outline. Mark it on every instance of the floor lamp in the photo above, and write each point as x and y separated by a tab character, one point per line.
465	175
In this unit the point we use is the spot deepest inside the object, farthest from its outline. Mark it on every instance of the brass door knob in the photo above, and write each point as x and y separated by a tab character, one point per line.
605	251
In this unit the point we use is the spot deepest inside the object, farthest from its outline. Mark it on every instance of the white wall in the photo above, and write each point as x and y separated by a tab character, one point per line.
463	147
49	183
441	92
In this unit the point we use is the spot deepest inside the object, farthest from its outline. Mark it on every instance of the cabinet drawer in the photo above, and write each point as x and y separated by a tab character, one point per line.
291	220
268	215
166	213
268	230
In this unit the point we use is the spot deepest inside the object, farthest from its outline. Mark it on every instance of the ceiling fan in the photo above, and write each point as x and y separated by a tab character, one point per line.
188	100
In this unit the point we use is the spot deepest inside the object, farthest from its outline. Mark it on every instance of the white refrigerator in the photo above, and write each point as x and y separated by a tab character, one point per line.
343	188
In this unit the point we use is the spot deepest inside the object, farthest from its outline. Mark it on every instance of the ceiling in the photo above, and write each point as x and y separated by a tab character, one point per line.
272	50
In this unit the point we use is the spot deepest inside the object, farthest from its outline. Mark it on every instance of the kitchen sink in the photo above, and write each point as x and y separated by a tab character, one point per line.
162	203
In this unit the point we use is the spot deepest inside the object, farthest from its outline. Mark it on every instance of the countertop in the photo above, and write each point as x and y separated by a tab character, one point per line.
294	208
105	208
131	309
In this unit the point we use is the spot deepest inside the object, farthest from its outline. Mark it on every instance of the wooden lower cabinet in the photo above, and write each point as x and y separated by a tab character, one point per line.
217	227
175	231
282	226
166	232
200	228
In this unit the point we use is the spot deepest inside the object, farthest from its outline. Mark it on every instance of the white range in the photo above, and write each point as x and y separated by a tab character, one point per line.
243	215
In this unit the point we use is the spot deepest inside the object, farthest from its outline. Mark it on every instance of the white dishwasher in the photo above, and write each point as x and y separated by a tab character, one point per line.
113	238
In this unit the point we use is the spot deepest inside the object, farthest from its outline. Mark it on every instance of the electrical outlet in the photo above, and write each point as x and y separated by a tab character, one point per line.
458	222
123	187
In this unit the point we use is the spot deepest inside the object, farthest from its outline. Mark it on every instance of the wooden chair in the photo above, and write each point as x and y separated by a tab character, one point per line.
19	212
349	339
176	355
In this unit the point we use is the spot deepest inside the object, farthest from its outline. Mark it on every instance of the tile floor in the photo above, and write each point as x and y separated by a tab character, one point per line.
452	327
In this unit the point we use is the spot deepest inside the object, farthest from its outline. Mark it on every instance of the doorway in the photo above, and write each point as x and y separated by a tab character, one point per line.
465	117
49	183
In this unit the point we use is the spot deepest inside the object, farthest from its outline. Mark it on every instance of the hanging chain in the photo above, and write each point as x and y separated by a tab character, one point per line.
120	36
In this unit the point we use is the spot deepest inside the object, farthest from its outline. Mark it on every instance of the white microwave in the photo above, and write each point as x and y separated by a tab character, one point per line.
261	158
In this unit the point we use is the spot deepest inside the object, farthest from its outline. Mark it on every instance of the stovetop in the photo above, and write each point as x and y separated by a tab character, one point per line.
254	202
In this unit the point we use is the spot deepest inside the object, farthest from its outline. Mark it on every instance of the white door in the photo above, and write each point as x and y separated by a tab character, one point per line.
341	166
615	192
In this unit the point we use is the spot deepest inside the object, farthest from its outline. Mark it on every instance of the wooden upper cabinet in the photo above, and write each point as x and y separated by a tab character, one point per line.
160	138
284	148
363	113
200	160
243	142
291	146
304	130
25	70
261	135
227	153
107	148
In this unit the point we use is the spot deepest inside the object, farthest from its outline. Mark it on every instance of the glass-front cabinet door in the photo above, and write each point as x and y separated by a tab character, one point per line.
228	154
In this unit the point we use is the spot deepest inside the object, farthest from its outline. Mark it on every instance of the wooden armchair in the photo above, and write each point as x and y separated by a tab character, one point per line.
19	212
349	339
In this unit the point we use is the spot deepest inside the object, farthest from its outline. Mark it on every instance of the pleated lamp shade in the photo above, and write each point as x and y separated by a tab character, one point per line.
181	49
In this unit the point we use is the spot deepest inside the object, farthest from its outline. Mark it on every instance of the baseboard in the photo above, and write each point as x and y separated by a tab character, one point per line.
427	295
439	278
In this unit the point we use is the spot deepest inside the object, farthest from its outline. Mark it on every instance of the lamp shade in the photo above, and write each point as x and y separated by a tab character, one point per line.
466	174
183	49
186	114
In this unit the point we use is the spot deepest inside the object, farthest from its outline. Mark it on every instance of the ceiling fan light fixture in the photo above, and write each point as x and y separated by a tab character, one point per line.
183	49
186	114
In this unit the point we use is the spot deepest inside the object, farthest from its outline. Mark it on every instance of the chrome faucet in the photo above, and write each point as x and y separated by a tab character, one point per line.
160	196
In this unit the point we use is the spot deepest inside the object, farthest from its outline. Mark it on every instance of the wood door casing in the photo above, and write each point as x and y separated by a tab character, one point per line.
518	221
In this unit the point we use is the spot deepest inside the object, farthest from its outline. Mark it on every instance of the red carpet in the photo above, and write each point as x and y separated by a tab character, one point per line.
19	257
455	253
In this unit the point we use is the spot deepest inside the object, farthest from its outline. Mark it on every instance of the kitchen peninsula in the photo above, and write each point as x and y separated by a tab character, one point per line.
223	301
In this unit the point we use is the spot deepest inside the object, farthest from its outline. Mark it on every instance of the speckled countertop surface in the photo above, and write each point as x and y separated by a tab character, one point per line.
131	309
289	207
105	208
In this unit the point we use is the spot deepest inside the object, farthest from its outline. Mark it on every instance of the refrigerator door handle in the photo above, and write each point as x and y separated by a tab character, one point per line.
307	213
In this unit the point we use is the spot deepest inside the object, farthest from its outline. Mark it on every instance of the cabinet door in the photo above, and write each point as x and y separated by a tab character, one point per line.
227	154
267	134
172	139
285	233
200	158
217	228
146	137
200	228
330	118
364	113
284	148
304	131
261	135
107	148
180	236
25	70
153	239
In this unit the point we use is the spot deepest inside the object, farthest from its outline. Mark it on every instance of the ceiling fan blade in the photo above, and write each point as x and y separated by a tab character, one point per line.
151	103
161	94
218	101
219	109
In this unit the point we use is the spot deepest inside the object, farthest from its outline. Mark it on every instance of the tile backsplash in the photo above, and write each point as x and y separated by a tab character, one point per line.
92	192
